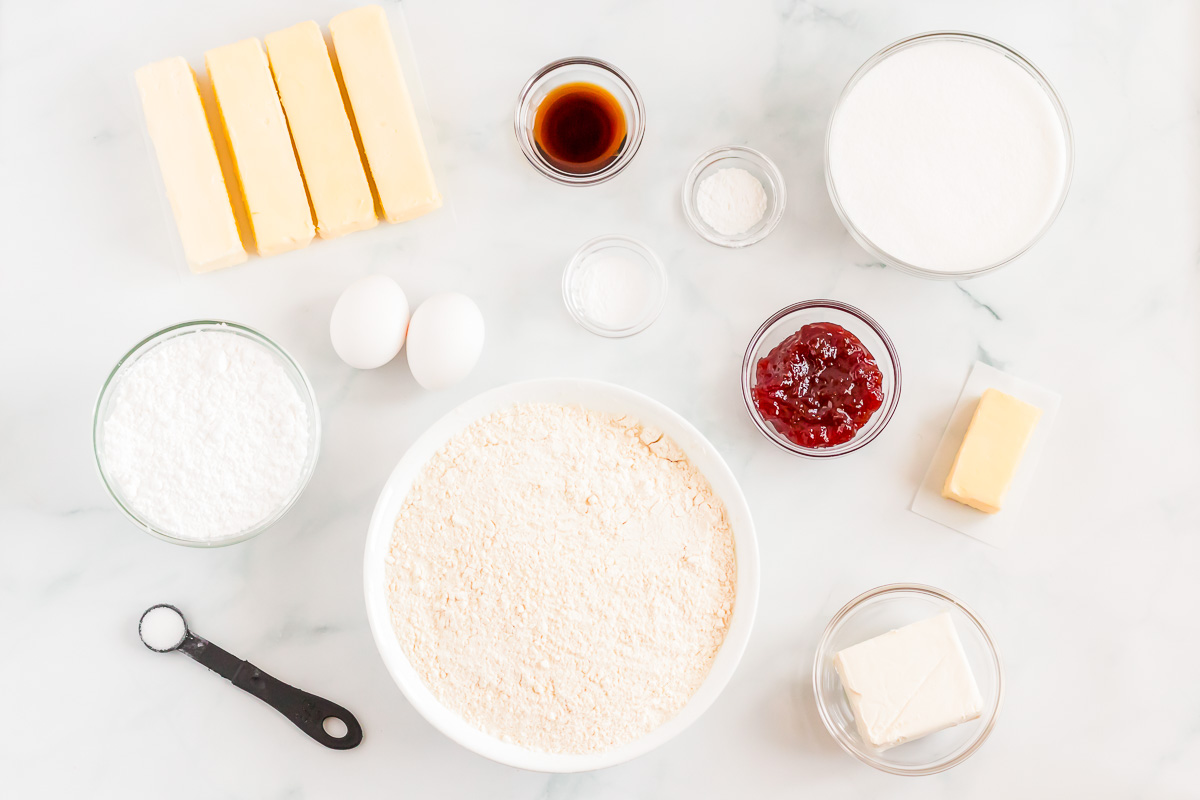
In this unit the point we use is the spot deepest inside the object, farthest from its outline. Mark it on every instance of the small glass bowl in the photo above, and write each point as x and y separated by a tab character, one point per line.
294	373
634	251
968	38
756	164
787	321
885	609
587	70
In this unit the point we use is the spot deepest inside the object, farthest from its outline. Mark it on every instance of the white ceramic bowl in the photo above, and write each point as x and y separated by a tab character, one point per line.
601	396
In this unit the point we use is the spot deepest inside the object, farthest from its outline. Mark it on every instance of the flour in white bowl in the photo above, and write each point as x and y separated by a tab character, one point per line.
206	436
562	578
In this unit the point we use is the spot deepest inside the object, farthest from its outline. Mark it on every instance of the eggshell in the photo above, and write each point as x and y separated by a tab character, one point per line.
445	338
369	322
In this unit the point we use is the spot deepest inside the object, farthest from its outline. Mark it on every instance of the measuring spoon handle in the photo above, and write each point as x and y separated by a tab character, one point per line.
306	711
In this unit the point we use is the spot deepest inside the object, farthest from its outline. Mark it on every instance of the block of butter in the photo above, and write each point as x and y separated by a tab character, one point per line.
329	157
909	682
383	111
991	451
262	149
188	161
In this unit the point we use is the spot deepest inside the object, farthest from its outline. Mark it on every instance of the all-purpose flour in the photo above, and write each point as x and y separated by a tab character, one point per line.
206	435
948	156
562	578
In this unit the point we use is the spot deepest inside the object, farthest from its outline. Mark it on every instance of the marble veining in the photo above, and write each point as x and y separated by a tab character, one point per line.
1093	602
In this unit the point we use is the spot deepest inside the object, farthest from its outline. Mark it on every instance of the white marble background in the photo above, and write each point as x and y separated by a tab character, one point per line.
1094	602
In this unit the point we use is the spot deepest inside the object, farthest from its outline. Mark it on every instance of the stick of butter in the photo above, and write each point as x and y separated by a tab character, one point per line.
383	112
991	451
262	150
329	158
188	162
909	682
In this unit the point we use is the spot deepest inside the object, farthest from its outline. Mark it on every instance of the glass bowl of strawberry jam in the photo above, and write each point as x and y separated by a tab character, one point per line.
821	379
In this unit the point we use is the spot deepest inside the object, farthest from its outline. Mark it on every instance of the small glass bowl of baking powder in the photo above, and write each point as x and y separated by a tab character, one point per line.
293	376
614	286
745	231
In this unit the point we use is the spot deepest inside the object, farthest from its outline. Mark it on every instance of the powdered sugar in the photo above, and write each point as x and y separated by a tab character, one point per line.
206	435
561	577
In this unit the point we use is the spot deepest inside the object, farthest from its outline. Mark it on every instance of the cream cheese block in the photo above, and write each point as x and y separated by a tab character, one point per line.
188	161
329	157
383	112
262	149
909	683
991	451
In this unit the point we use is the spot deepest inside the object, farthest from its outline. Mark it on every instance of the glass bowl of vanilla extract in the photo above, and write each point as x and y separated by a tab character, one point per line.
580	121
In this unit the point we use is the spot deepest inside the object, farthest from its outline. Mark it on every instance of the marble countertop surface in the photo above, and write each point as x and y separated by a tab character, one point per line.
1094	601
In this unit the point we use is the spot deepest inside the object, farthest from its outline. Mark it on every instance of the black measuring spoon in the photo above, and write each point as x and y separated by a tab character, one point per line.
307	712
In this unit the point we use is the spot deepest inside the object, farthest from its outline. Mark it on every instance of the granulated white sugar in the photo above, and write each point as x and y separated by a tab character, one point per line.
561	577
948	155
206	436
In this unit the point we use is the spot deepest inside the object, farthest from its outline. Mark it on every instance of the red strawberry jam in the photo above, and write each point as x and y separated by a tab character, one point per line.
819	386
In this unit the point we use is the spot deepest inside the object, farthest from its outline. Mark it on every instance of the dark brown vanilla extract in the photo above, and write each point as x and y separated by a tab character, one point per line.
579	128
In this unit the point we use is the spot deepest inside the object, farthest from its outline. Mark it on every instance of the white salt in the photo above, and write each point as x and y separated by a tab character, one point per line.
162	628
949	156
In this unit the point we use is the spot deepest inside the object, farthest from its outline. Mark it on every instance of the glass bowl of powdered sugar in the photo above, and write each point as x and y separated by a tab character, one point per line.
614	286
206	433
734	196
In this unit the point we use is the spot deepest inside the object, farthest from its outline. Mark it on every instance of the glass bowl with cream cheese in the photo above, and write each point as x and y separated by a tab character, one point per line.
886	610
206	433
948	155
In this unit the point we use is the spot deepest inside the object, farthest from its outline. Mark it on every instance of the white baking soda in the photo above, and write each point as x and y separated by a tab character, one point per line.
948	155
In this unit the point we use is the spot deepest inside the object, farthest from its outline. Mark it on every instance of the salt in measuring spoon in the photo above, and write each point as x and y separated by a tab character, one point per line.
162	628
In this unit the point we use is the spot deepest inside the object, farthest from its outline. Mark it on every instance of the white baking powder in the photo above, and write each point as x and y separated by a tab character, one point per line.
731	201
616	291
562	578
206	436
949	156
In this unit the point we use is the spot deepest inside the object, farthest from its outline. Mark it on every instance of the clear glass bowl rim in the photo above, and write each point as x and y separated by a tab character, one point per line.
635	132
171	331
692	214
983	41
577	259
855	444
919	588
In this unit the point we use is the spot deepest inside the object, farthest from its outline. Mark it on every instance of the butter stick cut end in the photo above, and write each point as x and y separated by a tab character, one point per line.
991	451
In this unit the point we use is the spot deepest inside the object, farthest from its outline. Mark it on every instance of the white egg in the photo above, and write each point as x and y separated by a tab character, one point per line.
369	322
444	340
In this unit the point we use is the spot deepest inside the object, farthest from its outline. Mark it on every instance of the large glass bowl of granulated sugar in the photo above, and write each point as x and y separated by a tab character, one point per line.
206	433
948	155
